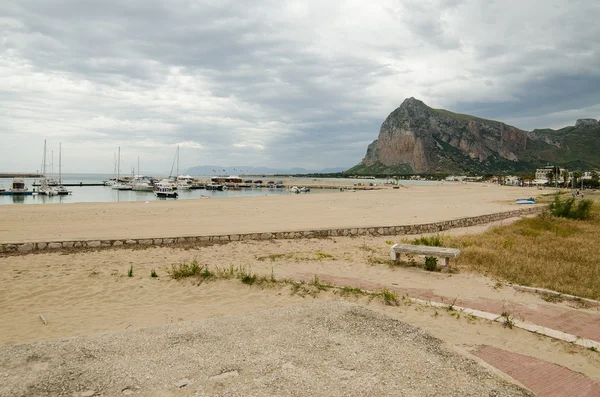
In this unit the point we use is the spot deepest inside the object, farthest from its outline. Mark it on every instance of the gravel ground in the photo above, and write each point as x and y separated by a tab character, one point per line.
328	349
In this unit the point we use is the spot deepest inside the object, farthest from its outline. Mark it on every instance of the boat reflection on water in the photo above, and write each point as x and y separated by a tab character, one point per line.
18	198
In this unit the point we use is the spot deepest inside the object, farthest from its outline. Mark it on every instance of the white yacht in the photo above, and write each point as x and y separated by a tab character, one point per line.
142	186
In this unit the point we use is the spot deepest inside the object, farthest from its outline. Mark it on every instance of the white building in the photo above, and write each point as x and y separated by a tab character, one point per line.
541	175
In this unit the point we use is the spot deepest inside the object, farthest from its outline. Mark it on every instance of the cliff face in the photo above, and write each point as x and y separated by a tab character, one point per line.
414	135
415	138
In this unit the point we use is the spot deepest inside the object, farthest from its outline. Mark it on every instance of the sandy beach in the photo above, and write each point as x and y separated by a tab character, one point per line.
89	293
408	205
96	313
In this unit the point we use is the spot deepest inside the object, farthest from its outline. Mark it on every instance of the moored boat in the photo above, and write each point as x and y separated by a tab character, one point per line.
19	188
165	191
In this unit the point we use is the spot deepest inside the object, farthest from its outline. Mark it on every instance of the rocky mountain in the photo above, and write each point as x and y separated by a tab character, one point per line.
418	139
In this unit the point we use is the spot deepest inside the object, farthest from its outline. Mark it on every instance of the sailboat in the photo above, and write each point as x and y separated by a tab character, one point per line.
118	185
45	189
61	190
141	184
181	182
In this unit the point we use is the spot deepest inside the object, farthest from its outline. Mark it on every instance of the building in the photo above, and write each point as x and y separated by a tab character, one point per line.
541	175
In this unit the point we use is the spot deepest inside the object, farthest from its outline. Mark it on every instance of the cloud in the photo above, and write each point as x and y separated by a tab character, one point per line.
276	83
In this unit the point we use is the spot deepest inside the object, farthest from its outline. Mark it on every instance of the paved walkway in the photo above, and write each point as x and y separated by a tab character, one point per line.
543	378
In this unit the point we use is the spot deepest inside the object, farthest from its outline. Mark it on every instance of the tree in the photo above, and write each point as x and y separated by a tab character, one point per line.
576	176
550	177
565	176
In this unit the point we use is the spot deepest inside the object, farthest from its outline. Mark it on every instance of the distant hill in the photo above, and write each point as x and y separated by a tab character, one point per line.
247	170
415	138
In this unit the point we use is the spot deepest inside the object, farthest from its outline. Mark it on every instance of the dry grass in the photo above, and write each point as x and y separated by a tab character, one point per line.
555	253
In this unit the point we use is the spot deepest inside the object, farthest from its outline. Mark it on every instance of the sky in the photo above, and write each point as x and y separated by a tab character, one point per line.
276	83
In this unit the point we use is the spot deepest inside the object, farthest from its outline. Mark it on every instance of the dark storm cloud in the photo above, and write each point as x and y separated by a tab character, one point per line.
278	83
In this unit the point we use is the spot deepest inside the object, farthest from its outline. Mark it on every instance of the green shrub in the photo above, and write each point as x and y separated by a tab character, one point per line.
432	241
153	274
130	271
431	263
571	209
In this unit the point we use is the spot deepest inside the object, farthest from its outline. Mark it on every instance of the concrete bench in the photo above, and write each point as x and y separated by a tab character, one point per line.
440	252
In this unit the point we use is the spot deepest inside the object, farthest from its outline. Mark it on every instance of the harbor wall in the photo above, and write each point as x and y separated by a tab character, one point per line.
52	246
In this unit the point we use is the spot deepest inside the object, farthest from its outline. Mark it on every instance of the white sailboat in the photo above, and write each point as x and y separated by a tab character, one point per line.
181	182
141	184
45	189
61	190
118	185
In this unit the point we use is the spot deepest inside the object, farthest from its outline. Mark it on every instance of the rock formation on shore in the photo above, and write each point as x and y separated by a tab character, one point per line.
415	138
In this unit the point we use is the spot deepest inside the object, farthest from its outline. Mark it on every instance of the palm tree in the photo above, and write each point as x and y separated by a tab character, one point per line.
565	176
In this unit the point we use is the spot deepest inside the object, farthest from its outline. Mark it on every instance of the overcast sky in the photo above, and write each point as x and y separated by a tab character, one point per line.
277	83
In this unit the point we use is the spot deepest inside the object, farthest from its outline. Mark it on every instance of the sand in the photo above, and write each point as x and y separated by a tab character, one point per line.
103	319
89	293
408	205
330	349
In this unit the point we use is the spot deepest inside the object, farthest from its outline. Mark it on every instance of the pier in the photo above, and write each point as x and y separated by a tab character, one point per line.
80	184
17	175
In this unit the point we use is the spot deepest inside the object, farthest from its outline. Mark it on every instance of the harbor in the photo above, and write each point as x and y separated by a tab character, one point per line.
89	188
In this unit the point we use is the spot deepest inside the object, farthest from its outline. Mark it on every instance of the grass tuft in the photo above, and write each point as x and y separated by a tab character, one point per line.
390	298
183	270
130	271
432	241
153	274
322	255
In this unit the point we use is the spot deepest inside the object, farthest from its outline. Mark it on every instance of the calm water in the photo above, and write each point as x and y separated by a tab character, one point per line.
87	194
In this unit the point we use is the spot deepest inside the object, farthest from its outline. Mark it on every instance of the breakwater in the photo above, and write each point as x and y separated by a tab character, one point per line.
47	246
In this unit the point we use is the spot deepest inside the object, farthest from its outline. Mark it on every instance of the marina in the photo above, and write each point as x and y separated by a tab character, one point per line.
89	188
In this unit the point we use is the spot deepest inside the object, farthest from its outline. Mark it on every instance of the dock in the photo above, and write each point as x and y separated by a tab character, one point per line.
23	175
80	184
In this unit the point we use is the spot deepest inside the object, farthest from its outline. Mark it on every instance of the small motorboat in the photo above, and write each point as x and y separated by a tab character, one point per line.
62	191
526	201
165	192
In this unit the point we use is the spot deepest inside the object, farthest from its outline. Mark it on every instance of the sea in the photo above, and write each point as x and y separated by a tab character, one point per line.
99	194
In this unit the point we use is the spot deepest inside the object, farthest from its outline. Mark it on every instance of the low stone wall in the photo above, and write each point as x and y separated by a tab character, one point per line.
8	249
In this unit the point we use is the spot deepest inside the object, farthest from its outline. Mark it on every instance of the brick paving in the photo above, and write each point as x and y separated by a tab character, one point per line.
541	377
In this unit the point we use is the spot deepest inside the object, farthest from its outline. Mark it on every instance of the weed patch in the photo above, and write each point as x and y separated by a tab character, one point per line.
183	270
390	298
431	263
544	251
322	255
432	241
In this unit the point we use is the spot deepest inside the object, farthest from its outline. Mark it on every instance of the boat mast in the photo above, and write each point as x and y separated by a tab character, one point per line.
44	163
177	174
59	163
139	173
119	164
52	165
